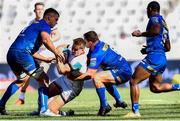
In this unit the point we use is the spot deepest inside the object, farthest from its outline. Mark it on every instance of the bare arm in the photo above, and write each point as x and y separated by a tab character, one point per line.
55	35
154	31
61	67
43	58
167	45
88	75
49	45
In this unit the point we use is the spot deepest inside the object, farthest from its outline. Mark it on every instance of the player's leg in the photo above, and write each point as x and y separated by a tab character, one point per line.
21	99
43	80
157	87
12	59
113	91
60	93
55	102
139	75
121	75
12	88
99	79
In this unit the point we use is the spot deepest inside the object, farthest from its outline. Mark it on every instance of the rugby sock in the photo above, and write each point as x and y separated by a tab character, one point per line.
102	96
114	92
9	92
43	98
135	107
175	86
22	96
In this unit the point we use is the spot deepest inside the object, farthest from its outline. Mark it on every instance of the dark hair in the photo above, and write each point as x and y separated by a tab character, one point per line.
79	42
91	36
154	5
38	3
50	10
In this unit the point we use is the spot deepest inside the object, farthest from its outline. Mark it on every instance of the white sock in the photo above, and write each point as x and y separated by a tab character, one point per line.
22	96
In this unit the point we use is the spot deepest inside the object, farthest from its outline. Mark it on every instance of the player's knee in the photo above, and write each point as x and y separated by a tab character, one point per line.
97	81
37	73
133	82
155	88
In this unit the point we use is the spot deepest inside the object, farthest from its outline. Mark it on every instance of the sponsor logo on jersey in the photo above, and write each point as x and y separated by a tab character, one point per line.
105	47
93	62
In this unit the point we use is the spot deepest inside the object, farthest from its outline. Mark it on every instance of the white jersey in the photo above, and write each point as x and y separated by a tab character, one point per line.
72	88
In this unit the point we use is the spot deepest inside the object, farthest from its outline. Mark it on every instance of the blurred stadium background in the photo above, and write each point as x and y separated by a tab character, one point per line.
113	20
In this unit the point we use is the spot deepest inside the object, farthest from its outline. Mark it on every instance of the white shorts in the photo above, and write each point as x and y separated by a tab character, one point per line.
68	89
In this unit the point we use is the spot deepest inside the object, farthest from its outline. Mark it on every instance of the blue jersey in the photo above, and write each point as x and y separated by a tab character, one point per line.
104	56
156	43
30	38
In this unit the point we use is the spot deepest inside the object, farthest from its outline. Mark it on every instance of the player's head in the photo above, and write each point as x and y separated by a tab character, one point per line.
51	16
78	46
39	10
153	7
91	39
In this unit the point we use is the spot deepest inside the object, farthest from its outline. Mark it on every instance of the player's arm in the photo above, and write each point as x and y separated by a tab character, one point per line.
88	75
167	45
61	67
154	31
43	58
49	45
55	35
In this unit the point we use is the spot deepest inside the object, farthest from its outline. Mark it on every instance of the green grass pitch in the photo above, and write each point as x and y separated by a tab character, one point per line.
164	106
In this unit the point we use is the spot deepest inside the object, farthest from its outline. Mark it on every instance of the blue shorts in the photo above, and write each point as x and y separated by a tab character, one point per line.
154	63
21	62
122	73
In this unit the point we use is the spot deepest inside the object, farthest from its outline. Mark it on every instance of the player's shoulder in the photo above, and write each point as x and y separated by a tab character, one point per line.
103	47
156	18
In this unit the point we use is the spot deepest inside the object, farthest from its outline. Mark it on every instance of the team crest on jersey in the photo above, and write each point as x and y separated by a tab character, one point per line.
93	62
105	47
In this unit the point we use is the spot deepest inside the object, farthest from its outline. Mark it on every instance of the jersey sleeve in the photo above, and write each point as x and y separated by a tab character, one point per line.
45	28
155	20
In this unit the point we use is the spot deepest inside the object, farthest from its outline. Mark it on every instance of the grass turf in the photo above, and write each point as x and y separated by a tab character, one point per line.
164	106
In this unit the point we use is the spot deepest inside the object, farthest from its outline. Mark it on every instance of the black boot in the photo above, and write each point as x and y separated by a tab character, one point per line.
3	111
119	104
104	111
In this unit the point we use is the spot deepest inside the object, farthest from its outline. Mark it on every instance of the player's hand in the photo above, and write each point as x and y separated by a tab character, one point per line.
60	56
50	60
137	33
143	50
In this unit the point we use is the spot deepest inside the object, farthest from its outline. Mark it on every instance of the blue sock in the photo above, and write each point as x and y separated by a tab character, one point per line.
175	86
102	96
43	99
135	107
12	88
114	92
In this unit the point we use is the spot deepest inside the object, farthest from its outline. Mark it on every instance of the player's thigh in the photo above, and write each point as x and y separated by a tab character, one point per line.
53	90
105	77
154	63
121	75
139	74
22	62
12	59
